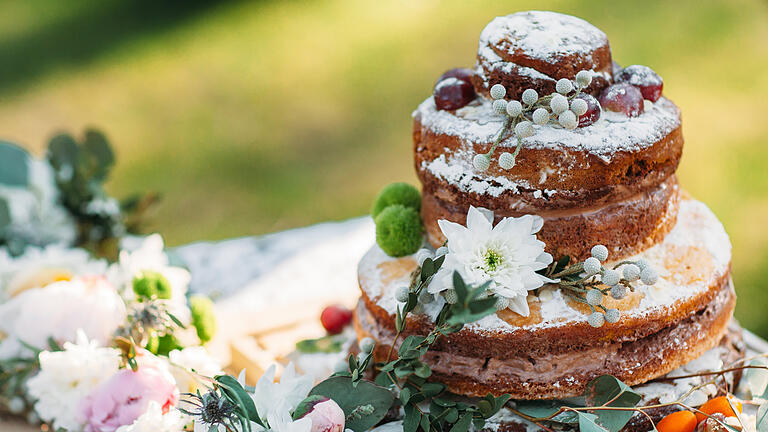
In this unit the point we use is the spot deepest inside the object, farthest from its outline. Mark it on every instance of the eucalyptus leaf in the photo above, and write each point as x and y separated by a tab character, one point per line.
757	378
607	390
100	152
463	424
587	423
539	409
412	419
5	215
762	418
306	405
237	395
349	396
325	344
14	165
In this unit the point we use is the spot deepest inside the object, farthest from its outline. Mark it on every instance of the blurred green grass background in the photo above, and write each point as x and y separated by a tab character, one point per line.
252	117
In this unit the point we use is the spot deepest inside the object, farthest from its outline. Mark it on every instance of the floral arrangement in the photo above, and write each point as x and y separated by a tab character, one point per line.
97	329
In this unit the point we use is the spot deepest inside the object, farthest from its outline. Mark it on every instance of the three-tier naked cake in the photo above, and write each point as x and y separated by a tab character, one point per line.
546	124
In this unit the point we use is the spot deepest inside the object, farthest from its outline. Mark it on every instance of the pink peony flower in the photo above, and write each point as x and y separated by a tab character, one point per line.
125	396
326	416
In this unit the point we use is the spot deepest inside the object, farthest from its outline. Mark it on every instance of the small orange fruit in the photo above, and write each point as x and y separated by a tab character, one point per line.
718	405
680	421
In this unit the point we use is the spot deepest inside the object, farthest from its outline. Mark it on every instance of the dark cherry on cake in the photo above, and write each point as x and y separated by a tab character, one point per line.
593	110
644	78
624	98
453	93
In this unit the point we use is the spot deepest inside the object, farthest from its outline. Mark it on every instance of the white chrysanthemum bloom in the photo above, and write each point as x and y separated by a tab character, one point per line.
280	420
58	311
271	398
508	255
67	377
195	359
36	216
39	267
153	420
148	254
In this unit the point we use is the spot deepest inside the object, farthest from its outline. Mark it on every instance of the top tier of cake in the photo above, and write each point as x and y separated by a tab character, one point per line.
610	182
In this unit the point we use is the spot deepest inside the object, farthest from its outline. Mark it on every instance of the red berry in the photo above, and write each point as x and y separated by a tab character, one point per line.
464	74
453	93
335	318
593	110
623	98
644	78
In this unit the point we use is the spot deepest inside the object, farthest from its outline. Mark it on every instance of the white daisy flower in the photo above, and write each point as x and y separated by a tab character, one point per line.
508	255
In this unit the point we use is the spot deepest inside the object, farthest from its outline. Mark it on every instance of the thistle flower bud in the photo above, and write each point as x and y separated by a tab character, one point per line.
592	266
401	294
524	129
541	116
568	120
594	297
631	272
611	277
506	160
579	106
600	252
596	319
422	255
642	263
612	315
450	296
530	97
559	104
498	91
500	106
584	78
564	86
649	276
481	162
514	108
618	292
367	344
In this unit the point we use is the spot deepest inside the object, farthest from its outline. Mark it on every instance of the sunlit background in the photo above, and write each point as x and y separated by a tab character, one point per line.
252	117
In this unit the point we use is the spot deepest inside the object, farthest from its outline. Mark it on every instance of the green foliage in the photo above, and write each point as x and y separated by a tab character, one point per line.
150	285
14	165
306	405
203	317
167	343
609	391
603	392
401	193
153	342
762	418
399	230
245	408
351	396
325	344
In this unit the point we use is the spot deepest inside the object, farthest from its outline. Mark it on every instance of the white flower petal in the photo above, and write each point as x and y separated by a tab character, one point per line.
519	305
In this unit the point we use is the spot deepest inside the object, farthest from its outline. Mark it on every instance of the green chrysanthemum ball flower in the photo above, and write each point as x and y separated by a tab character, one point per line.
167	343
203	317
399	230
153	342
397	193
151	284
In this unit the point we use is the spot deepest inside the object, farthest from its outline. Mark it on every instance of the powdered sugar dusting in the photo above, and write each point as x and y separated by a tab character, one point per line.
477	123
696	229
541	35
614	132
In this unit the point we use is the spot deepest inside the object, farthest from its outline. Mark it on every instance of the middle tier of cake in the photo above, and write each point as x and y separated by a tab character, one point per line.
554	352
